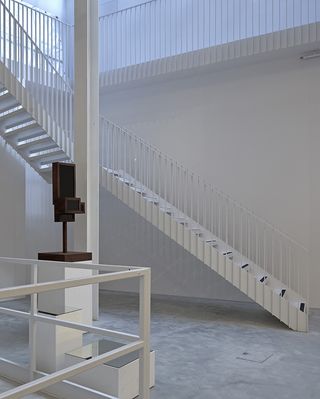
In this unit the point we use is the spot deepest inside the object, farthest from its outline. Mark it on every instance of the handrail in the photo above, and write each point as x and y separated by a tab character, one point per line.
213	211
132	343
35	44
50	97
52	36
160	29
126	9
40	11
222	193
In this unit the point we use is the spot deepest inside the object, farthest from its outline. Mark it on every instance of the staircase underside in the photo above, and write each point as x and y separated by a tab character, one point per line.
22	132
249	278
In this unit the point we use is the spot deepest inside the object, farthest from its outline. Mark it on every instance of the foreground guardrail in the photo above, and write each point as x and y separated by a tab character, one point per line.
140	342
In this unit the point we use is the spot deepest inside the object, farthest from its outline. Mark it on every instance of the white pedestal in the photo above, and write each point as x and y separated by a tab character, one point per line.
78	297
71	304
54	341
119	378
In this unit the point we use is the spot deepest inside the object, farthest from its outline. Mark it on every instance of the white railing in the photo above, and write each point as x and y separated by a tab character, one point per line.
162	28
239	228
109	273
53	37
157	29
38	85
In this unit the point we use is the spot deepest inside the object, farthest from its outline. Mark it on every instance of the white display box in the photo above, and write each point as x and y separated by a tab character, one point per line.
119	378
77	297
52	342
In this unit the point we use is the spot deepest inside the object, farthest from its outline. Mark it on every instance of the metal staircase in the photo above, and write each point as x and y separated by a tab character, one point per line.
35	101
249	253
25	135
36	119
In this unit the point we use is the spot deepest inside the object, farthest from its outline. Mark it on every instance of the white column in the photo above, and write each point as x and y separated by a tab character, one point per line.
86	114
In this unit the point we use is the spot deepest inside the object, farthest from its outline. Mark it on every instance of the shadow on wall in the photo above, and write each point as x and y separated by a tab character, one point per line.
128	239
12	213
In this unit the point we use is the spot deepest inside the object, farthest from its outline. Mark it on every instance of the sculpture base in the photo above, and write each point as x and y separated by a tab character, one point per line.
65	256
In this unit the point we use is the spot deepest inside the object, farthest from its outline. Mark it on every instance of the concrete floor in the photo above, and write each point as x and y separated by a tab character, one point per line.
208	349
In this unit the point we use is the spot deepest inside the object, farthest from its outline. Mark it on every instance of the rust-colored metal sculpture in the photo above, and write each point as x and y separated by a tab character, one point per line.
66	206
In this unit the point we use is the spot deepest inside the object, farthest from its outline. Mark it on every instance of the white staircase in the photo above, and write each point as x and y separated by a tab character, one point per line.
35	101
36	118
250	254
161	37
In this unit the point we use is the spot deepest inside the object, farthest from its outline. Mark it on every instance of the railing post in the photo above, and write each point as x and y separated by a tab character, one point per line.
33	325
144	333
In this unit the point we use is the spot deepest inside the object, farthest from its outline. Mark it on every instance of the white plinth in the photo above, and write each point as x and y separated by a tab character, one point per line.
78	297
54	341
119	378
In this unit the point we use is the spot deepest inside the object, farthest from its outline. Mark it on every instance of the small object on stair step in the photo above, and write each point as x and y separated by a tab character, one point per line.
126	181
245	265
229	254
140	191
263	279
282	292
211	242
182	221
153	200
196	231
302	306
168	211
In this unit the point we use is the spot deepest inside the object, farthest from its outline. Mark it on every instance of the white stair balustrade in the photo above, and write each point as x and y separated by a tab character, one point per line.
159	37
259	260
52	36
36	103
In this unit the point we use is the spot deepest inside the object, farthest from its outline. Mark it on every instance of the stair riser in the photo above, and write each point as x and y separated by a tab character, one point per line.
32	111
9	121
23	133
38	145
47	159
7	103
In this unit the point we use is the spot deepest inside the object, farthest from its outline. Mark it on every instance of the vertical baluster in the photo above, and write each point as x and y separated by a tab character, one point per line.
218	216
241	243
191	195
233	229
226	221
213	213
206	213
159	176
281	259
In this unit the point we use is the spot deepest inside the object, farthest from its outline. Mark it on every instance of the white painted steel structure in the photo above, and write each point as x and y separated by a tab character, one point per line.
53	36
249	252
36	118
174	30
109	273
36	103
165	28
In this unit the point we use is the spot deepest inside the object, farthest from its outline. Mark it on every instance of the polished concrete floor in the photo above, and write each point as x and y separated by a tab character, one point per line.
207	349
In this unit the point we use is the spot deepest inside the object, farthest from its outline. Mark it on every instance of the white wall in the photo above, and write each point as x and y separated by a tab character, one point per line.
12	212
128	239
42	234
63	9
26	216
252	131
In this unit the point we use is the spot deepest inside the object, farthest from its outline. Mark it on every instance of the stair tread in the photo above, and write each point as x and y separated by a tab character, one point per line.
37	141
45	154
